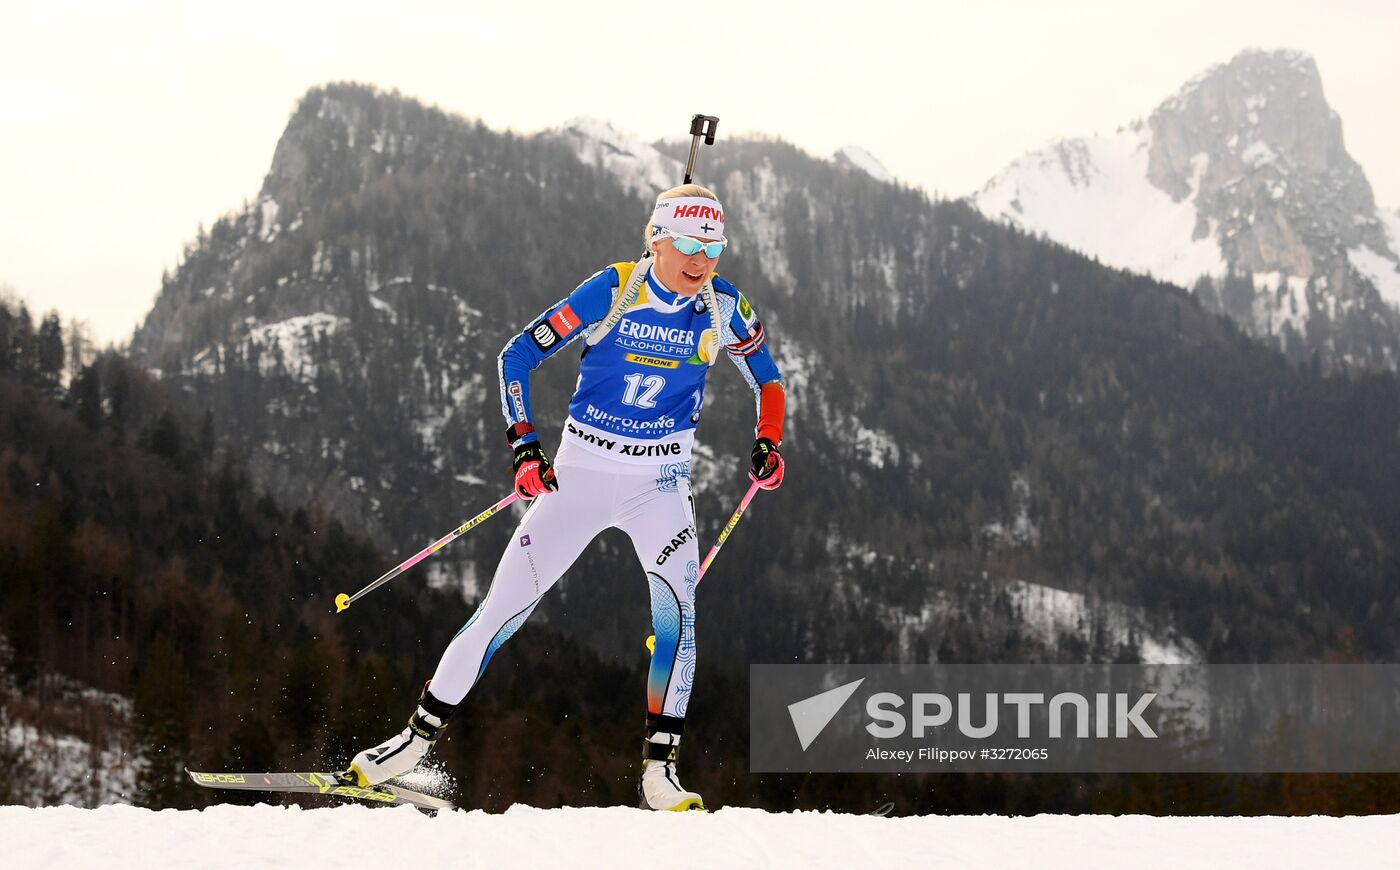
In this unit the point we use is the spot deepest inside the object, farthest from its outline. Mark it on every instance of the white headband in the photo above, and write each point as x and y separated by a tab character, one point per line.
689	216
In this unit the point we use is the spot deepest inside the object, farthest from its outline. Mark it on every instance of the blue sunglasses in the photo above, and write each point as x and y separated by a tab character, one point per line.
690	247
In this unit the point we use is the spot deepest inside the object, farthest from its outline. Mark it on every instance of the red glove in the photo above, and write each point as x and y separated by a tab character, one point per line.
767	468
534	475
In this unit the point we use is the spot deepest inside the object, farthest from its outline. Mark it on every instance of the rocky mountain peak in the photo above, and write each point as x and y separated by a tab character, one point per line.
1259	100
1242	177
343	136
1256	142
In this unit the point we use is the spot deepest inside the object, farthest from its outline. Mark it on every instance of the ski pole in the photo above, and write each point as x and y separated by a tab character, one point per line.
700	125
343	601
723	536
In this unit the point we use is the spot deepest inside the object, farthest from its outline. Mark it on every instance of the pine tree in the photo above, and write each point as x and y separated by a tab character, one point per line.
48	348
163	697
80	346
7	325
87	391
166	439
21	348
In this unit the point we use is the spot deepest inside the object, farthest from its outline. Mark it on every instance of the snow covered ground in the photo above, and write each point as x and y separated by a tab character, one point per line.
1052	613
616	837
65	742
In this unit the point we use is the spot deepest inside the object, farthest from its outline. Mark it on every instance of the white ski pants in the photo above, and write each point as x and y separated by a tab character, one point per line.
651	503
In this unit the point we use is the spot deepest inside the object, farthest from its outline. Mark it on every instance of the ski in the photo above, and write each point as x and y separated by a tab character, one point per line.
320	782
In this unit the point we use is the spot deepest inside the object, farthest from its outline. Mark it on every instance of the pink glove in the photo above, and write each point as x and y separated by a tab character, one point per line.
534	475
767	468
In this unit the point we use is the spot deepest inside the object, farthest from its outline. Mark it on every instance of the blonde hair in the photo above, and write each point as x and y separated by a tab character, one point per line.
673	193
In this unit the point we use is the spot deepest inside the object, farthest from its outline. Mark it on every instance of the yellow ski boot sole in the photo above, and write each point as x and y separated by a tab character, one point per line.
689	805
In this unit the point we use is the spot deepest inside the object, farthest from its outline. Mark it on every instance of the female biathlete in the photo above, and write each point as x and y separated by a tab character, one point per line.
651	330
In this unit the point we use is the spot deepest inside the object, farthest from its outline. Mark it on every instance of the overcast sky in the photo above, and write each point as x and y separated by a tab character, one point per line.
123	126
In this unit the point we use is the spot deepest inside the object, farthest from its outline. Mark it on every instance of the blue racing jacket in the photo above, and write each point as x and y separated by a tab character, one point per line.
640	388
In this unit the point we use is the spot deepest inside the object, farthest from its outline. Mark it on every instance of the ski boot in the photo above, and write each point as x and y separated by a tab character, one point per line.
401	753
660	788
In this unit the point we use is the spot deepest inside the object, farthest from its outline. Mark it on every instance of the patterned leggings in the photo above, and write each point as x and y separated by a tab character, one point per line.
651	503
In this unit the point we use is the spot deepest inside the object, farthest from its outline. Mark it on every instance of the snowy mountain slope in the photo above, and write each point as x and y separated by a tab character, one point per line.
1049	618
1241	177
1054	613
640	167
1094	196
64	742
858	158
644	169
616	837
1381	268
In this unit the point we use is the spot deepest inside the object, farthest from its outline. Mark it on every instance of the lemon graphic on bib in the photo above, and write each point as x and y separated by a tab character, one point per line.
706	349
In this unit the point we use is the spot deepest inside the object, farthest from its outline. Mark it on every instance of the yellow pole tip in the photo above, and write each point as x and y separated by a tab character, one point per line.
342	602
